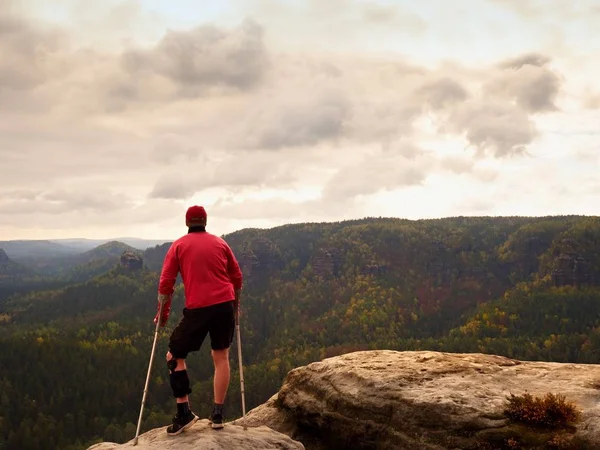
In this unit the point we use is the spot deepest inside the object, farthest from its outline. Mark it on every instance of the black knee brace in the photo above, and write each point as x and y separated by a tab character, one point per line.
180	383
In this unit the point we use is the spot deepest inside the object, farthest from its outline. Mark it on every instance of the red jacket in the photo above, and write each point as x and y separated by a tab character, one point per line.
208	267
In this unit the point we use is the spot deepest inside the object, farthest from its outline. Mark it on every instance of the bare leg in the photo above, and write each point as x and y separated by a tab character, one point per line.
222	374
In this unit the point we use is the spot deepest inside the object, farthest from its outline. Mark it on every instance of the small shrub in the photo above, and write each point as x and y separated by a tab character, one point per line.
551	411
560	441
512	443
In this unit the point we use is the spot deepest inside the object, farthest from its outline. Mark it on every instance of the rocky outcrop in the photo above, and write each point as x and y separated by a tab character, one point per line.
131	261
3	256
426	400
248	262
375	269
202	436
260	258
572	270
326	262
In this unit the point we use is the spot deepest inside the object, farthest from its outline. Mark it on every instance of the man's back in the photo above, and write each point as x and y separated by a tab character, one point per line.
209	270
212	280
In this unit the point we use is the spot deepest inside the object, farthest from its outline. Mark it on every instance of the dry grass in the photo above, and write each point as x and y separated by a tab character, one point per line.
550	411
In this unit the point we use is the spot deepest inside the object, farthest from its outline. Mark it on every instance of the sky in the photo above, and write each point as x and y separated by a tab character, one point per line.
116	116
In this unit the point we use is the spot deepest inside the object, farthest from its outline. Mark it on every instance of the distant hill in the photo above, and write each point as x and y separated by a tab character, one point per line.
49	248
155	256
16	278
101	298
72	259
79	266
27	249
10	270
88	244
94	262
112	249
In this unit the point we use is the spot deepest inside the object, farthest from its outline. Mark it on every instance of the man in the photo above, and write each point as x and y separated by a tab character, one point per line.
212	282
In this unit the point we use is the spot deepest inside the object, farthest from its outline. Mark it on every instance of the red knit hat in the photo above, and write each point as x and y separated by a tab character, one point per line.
195	214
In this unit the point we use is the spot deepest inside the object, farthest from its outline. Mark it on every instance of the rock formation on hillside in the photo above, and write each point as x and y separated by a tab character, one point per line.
572	270
248	261
260	253
426	400
202	436
131	261
326	262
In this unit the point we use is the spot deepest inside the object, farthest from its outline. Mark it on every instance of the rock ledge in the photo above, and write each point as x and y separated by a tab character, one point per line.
202	436
426	400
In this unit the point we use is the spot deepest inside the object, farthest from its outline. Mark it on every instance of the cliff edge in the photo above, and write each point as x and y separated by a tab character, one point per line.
428	400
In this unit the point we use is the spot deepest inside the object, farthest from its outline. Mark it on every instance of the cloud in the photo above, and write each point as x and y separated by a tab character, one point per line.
156	117
172	148
457	165
526	80
495	128
298	119
528	59
377	172
466	166
20	194
541	9
27	53
393	16
172	188
591	100
234	173
442	92
272	208
58	202
204	57
475	205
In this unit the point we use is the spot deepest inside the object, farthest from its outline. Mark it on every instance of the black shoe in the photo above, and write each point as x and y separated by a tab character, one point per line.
181	424
216	420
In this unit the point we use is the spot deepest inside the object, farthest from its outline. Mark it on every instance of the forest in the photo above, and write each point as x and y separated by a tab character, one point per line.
75	349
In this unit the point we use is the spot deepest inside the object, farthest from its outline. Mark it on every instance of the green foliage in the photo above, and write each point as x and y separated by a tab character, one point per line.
526	288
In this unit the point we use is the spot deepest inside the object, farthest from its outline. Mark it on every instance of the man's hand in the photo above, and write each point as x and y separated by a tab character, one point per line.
166	309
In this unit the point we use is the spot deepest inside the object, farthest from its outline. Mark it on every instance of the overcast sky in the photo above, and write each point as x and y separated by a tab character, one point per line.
115	116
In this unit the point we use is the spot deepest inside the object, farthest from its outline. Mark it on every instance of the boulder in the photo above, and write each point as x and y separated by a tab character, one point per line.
202	436
427	400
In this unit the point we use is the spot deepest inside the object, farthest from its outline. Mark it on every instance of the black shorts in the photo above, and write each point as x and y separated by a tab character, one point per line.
190	332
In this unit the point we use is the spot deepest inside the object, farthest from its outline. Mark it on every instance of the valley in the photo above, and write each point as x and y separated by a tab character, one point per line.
526	288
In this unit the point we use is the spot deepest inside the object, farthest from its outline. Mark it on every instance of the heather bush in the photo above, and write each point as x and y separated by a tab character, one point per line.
550	411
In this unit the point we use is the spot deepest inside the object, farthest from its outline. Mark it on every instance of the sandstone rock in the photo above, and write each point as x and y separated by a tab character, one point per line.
248	261
202	436
259	259
131	261
326	262
425	400
572	270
